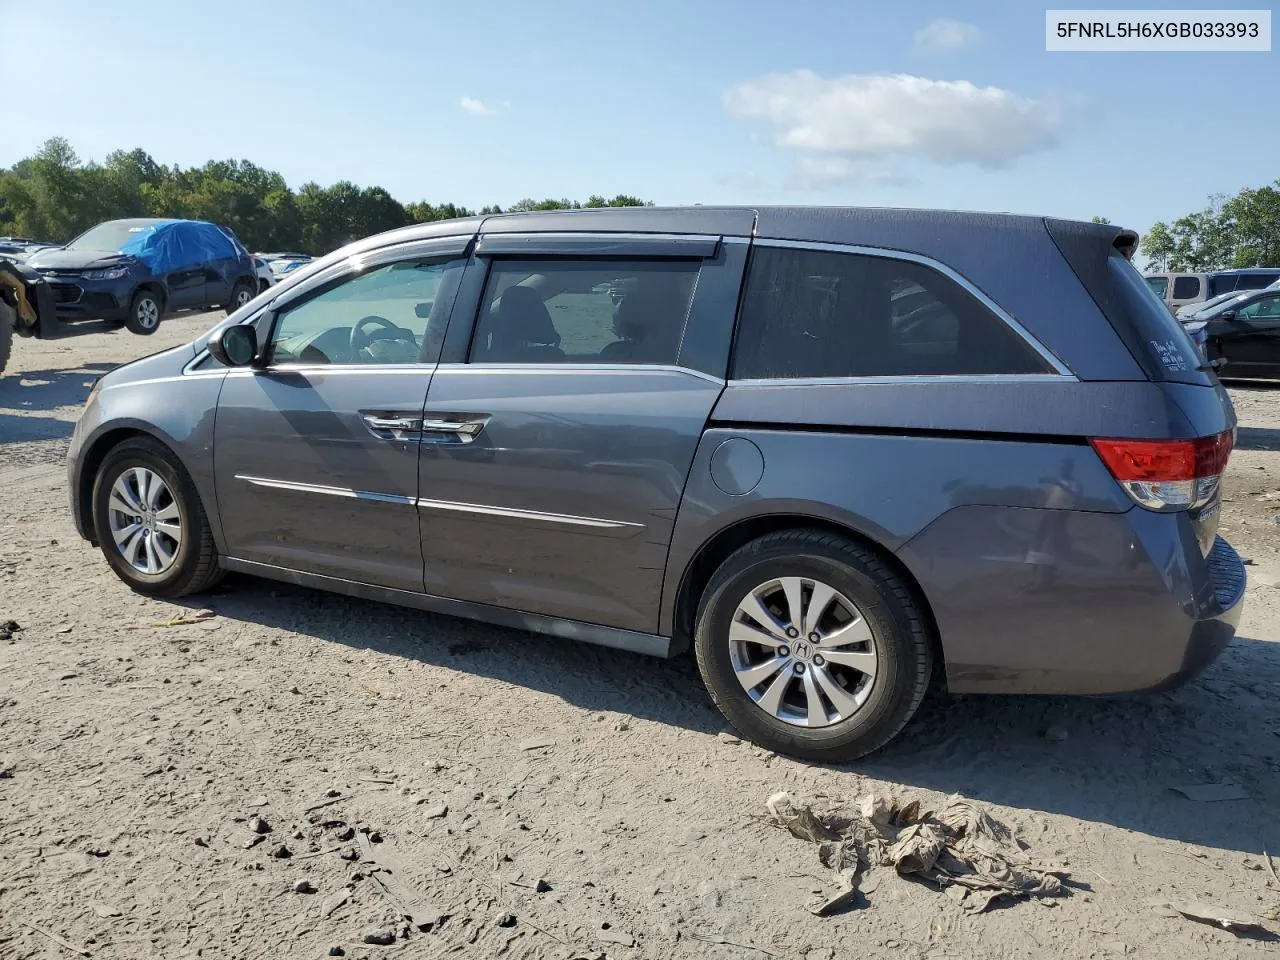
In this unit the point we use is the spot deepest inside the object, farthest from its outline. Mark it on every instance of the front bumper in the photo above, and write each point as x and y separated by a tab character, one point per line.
76	298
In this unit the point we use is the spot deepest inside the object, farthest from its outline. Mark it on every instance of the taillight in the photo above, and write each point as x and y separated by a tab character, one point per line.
1168	474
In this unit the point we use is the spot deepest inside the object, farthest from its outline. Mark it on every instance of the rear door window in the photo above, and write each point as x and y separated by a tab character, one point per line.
1186	288
1255	281
584	311
817	313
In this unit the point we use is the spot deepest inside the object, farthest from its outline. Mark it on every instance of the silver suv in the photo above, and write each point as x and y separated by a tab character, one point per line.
829	450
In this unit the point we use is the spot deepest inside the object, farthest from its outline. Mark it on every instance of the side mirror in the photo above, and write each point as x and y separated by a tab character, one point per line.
1227	315
234	346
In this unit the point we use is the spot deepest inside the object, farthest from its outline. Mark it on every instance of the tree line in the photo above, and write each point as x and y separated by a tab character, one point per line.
1242	230
53	195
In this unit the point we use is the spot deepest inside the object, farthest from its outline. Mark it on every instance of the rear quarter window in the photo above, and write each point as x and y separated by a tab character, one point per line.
1164	348
1186	288
825	314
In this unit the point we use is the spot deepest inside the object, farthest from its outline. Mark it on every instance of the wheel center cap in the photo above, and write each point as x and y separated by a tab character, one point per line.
802	650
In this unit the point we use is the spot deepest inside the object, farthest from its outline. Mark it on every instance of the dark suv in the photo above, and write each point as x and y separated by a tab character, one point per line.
827	449
133	271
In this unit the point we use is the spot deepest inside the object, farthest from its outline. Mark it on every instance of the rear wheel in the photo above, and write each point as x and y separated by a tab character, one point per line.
812	646
241	294
150	522
145	312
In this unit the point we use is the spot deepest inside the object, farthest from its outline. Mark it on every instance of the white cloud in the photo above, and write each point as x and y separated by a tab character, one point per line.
877	116
477	108
827	171
946	35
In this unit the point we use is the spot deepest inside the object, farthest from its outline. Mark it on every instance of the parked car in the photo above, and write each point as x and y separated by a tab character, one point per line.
1191	309
825	449
134	271
285	256
1241	335
1181	290
281	267
266	277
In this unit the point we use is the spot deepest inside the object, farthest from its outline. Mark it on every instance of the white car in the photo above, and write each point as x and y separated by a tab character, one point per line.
263	269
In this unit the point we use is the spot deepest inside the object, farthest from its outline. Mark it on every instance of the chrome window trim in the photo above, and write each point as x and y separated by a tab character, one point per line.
547	368
904	378
454	506
379	256
593	235
336	369
890	254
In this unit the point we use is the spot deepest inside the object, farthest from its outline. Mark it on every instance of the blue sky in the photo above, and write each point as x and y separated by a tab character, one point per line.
678	101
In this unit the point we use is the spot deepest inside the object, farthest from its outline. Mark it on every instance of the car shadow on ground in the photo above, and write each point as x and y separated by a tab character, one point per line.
1257	438
1112	760
49	389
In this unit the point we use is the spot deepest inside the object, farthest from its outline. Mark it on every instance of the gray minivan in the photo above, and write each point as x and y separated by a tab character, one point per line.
827	449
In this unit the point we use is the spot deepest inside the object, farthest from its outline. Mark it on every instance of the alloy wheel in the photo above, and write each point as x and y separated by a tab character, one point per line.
147	313
803	652
144	520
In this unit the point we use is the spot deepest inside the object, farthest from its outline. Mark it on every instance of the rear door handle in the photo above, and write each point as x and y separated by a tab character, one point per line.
452	431
392	423
391	427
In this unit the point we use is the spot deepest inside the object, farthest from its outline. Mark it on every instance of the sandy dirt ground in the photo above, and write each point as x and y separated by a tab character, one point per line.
524	797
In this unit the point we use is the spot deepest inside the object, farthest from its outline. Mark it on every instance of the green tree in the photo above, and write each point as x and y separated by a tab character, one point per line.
52	195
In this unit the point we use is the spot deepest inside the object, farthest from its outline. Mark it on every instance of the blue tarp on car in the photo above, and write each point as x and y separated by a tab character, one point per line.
171	245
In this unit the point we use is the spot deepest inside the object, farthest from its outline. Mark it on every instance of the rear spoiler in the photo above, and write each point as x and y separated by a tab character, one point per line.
1126	241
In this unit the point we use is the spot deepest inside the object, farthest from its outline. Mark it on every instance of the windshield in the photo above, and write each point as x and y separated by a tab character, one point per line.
110	236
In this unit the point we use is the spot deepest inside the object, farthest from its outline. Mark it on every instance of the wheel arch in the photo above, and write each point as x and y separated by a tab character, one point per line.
720	545
152	286
95	452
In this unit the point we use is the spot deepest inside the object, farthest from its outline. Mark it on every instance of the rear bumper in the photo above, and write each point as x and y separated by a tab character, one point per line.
1073	602
1210	637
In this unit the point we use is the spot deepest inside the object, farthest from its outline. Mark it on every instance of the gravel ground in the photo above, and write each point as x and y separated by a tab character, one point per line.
524	797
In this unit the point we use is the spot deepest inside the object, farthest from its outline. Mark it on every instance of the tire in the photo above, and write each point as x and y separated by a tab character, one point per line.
241	294
194	562
146	310
870	704
8	320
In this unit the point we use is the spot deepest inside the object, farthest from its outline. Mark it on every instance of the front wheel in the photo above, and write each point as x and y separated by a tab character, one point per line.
150	522
145	311
811	646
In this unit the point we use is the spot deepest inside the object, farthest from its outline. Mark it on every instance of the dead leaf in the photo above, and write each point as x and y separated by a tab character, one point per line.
1218	916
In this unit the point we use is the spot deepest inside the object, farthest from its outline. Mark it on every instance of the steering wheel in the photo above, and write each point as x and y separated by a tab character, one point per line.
360	339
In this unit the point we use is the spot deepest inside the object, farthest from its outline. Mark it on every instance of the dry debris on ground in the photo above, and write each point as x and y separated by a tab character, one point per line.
960	849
